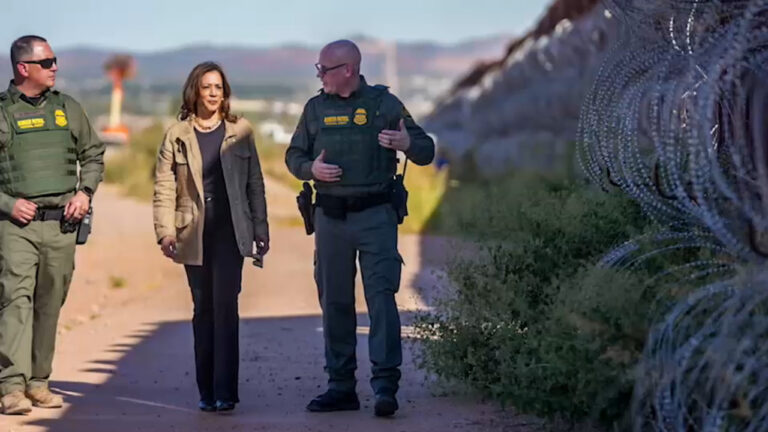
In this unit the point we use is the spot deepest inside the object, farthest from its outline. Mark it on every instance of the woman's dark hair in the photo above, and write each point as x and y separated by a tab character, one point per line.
191	92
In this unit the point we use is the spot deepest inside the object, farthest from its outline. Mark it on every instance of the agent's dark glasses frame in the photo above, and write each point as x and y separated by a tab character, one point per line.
322	70
44	63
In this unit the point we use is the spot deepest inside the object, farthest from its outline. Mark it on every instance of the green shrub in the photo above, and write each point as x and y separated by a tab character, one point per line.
531	321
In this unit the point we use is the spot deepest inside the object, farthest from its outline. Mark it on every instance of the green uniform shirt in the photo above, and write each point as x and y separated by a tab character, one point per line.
299	158
90	150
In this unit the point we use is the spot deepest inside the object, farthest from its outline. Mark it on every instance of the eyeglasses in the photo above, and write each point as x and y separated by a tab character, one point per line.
44	63
324	70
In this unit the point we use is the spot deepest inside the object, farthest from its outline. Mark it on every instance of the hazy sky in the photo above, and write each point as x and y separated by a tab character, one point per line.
152	25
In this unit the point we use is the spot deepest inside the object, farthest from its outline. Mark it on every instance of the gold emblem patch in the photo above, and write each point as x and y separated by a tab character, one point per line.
361	116
336	120
32	123
61	118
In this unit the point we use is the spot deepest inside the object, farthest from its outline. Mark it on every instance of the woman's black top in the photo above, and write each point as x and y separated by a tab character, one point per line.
213	175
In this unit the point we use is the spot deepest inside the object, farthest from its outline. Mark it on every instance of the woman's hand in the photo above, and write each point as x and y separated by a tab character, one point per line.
262	246
168	246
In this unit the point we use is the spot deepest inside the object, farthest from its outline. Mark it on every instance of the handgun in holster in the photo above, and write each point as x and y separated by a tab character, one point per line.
83	228
306	208
400	195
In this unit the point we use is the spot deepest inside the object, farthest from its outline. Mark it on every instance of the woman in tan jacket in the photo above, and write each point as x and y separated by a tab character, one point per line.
209	213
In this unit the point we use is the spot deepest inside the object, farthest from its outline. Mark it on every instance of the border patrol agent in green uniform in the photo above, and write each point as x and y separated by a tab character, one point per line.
44	134
346	141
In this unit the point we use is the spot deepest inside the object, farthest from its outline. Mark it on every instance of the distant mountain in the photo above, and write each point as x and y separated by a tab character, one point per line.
288	65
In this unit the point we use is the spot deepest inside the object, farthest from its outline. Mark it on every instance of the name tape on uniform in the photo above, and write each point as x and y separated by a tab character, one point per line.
336	120
31	123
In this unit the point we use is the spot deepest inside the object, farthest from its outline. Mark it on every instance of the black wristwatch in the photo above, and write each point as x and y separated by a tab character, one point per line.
88	191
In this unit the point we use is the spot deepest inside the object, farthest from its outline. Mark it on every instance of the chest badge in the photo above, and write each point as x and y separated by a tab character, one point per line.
361	117
60	118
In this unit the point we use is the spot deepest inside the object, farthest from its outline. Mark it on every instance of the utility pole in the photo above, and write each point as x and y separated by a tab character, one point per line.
389	50
390	66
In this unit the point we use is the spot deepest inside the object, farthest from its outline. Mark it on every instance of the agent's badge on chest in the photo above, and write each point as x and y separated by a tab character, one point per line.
60	118
361	117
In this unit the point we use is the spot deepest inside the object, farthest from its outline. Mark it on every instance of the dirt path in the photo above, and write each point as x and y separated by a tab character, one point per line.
124	357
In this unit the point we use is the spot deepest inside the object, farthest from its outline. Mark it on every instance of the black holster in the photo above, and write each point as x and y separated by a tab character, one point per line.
84	227
306	208
400	197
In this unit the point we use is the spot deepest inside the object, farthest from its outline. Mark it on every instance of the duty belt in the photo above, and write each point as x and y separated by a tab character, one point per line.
336	207
49	214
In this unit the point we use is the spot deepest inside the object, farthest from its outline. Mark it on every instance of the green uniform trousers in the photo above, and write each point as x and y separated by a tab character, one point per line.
36	265
373	234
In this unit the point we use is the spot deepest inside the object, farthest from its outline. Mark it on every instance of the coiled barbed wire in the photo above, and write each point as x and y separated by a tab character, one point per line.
678	120
706	365
677	129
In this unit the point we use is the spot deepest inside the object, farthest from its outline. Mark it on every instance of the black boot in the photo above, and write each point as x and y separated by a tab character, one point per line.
334	400
385	406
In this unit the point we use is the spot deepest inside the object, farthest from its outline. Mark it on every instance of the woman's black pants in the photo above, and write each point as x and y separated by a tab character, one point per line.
215	287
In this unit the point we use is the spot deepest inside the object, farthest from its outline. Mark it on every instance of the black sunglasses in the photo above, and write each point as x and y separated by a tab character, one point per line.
44	63
324	70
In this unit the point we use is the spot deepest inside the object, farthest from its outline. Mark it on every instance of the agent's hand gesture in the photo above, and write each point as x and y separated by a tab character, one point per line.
395	139
325	172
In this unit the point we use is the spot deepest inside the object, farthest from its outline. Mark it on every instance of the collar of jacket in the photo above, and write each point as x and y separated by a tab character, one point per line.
231	130
15	94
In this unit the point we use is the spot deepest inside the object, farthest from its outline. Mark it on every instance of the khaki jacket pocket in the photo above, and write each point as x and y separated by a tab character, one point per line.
183	219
